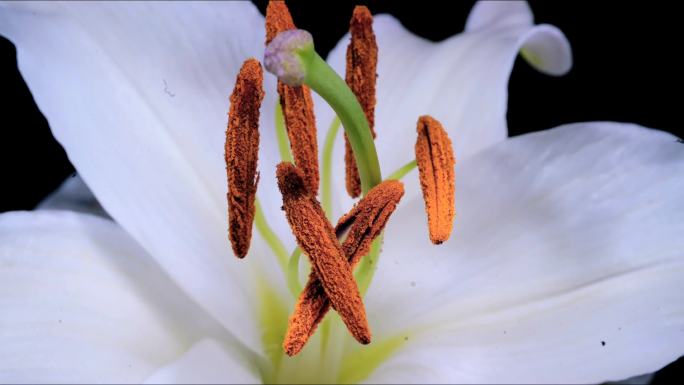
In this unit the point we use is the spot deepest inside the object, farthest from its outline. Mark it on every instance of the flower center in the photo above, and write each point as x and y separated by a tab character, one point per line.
338	276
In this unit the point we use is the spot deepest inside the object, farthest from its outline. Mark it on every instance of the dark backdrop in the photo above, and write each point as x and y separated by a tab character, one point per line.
625	69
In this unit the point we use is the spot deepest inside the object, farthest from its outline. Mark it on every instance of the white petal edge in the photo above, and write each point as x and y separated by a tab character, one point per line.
137	93
207	362
563	239
461	81
73	195
486	14
81	302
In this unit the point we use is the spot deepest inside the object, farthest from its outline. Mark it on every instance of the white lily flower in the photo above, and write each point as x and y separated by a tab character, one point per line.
565	265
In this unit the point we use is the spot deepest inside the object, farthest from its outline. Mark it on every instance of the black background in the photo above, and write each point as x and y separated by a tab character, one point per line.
625	69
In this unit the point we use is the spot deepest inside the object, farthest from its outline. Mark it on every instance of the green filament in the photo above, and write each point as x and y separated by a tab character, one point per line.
270	236
293	273
403	170
326	173
364	276
281	135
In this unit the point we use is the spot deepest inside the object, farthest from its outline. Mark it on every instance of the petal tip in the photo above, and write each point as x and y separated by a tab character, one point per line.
547	49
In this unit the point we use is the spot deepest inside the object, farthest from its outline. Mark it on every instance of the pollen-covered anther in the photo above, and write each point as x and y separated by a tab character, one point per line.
296	103
435	159
241	154
362	225
362	59
316	237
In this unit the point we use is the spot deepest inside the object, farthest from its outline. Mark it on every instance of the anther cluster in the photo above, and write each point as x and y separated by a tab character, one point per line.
335	251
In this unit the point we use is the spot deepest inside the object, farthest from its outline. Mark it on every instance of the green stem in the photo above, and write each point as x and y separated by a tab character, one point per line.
403	170
327	83
281	135
270	236
326	174
366	271
293	273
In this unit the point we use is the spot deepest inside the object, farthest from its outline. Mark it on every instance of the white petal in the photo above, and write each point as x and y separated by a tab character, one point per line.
137	93
81	302
73	195
564	240
207	362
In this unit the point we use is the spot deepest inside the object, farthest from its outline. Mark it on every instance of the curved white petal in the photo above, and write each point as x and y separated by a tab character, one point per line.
137	93
566	264
461	81
82	302
545	47
207	362
73	195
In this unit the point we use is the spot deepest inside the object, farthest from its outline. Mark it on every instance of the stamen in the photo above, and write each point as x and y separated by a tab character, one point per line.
316	237
362	59
241	154
363	224
435	158
296	103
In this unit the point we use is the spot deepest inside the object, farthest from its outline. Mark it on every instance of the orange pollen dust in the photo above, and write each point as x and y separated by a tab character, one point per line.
435	159
362	224
362	60
241	154
297	105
